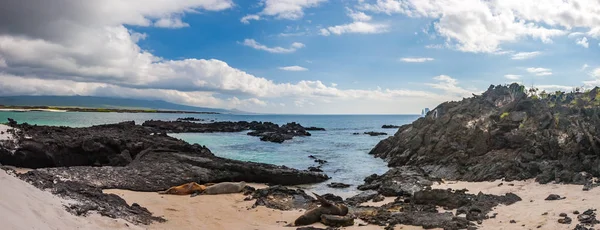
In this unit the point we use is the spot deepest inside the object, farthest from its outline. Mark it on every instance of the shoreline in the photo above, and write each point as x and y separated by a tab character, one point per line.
97	110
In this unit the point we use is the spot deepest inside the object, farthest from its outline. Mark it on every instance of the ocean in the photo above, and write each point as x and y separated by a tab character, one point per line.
346	154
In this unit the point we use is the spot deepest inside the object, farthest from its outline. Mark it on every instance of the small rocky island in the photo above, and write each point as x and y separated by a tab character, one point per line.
267	131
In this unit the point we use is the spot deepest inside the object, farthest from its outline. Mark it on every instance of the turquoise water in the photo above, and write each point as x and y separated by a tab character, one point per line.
347	154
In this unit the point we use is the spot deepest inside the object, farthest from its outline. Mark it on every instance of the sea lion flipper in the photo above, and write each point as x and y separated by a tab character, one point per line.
323	201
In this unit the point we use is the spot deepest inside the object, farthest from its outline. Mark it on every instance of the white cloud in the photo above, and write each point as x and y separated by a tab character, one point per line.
86	48
512	77
254	44
291	34
434	46
334	84
540	71
246	19
584	67
583	42
594	32
483	26
359	16
596	73
360	25
293	68
288	9
174	23
450	85
416	59
525	55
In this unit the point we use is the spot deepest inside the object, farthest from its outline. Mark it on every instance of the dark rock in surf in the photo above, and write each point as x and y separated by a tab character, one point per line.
371	133
338	185
390	126
312	128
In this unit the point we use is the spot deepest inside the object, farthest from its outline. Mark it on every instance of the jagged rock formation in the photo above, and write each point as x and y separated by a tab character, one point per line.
267	131
504	133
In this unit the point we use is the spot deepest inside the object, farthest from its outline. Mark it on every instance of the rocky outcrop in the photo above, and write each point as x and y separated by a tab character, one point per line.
282	198
90	199
135	158
267	131
399	181
504	133
421	209
390	126
189	119
103	145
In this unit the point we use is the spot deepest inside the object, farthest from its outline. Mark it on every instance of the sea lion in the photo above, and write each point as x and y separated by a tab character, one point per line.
314	215
225	188
186	189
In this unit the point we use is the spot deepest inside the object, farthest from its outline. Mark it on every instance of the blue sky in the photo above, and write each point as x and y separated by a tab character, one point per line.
298	56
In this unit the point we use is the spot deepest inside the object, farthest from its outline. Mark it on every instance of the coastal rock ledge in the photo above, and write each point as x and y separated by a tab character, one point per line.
506	132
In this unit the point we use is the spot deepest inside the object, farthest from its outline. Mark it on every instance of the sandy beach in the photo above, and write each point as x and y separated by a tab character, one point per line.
216	212
23	206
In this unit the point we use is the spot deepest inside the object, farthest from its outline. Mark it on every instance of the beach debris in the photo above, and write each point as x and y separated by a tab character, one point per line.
554	197
338	185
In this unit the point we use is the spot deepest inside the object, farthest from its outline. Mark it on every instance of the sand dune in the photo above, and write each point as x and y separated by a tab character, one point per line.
23	206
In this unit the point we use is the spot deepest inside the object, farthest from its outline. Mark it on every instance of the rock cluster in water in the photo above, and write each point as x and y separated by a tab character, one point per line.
504	133
267	131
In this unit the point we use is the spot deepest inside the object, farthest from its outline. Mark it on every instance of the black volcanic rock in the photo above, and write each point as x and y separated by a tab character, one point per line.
503	133
371	133
312	128
390	126
267	131
134	158
338	185
399	181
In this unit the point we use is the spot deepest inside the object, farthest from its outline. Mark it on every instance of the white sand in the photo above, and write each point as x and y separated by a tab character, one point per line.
4	135
529	211
27	110
23	206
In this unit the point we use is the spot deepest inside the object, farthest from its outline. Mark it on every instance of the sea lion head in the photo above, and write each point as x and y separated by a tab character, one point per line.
343	209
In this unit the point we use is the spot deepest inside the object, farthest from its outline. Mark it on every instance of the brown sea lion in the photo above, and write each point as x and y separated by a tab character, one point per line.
225	188
186	189
314	215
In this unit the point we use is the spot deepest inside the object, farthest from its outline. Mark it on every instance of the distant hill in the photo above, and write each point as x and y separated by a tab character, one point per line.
103	102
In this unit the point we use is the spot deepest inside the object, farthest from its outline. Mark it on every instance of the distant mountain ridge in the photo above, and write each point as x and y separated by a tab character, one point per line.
104	102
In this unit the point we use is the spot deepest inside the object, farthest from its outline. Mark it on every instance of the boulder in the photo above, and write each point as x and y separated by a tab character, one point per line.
338	185
371	133
399	181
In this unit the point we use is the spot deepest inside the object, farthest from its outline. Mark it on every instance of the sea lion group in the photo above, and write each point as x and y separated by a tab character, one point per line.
314	215
195	189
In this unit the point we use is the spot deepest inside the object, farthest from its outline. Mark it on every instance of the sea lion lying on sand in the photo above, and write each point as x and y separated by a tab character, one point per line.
187	189
314	215
225	188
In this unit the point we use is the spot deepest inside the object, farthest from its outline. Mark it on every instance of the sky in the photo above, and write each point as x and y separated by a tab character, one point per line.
297	56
